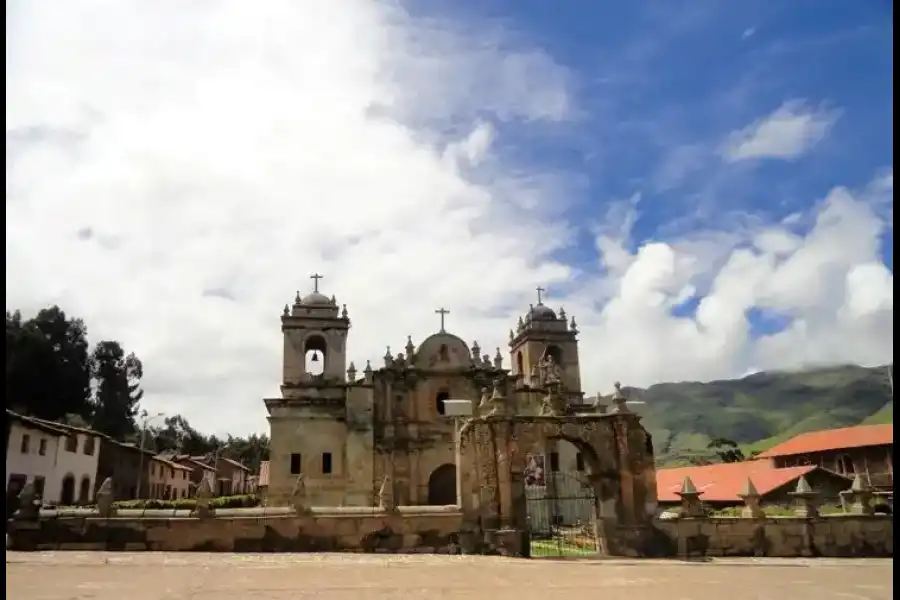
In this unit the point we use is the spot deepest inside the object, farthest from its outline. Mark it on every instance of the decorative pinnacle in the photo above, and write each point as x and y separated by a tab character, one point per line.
749	490
688	488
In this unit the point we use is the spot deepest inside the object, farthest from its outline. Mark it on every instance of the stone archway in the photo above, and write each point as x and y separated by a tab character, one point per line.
442	486
618	479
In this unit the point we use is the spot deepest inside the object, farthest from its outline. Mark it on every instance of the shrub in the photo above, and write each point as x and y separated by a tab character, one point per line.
242	501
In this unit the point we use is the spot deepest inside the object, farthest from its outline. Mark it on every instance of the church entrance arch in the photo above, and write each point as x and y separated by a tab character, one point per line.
560	502
442	486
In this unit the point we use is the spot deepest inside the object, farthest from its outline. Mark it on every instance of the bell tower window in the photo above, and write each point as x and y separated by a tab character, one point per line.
316	353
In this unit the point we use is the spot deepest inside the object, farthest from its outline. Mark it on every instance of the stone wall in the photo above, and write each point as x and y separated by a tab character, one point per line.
788	537
329	529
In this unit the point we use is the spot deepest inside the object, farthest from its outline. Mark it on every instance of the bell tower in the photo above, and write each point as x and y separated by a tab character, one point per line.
542	336
315	339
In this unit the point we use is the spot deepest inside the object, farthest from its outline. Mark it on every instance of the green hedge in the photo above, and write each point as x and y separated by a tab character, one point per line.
243	501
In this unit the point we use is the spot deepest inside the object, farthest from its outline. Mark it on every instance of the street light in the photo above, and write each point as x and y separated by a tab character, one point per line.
144	423
457	409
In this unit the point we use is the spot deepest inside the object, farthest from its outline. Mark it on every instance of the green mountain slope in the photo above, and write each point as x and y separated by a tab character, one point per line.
761	410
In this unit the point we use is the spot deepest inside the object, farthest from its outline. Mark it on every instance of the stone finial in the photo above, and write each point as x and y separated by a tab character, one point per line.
410	348
486	360
298	495
388	358
512	336
344	312
203	498
573	326
367	372
498	360
476	351
498	398
562	313
400	361
751	498
29	504
860	496
521	324
620	402
105	497
351	372
386	495
807	505
333	300
691	506
286	310
297	299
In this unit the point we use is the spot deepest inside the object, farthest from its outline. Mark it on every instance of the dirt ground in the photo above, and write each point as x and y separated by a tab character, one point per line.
152	576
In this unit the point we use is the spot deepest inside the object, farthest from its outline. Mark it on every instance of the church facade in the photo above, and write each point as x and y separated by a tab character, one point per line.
343	430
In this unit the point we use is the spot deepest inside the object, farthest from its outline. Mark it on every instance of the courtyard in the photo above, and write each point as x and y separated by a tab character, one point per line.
159	576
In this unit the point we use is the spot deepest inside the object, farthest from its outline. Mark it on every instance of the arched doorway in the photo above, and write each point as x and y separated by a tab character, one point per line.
84	491
67	496
442	486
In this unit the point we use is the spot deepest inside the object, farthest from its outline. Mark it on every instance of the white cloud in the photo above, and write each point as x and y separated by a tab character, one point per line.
789	132
176	172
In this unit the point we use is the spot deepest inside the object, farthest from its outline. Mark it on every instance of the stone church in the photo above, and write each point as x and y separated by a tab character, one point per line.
344	429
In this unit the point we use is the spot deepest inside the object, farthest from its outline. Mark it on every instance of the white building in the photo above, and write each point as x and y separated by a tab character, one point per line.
31	453
61	460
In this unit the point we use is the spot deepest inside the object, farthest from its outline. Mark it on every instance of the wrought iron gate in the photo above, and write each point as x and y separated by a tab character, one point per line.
561	516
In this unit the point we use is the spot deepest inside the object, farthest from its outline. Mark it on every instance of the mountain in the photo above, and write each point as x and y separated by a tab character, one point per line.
760	410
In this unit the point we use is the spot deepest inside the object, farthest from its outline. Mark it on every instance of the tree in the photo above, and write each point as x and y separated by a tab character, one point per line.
118	390
726	450
48	367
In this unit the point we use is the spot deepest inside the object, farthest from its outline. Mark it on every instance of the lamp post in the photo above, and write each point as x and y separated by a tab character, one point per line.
457	409
144	423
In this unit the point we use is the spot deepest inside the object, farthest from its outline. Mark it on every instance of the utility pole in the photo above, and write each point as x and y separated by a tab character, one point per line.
144	423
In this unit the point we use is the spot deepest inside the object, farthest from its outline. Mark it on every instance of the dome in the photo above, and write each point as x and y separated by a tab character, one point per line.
316	298
542	312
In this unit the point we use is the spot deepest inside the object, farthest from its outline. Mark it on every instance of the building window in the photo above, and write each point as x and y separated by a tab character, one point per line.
72	443
39	486
326	463
89	446
26	442
296	465
554	462
439	402
579	462
42	447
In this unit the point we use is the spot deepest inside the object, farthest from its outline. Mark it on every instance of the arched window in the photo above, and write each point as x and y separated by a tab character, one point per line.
439	406
845	465
556	353
315	351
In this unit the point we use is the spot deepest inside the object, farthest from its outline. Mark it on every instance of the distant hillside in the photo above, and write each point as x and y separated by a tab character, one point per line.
761	410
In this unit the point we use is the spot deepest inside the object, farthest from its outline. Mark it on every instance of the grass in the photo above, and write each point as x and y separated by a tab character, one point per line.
564	545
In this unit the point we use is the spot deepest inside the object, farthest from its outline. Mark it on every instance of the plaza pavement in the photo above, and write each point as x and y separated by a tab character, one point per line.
161	576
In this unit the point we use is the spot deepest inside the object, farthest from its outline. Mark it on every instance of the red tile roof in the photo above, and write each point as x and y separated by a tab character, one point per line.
834	439
263	473
723	482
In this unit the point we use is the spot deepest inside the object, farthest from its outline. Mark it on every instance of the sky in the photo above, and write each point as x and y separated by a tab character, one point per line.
707	187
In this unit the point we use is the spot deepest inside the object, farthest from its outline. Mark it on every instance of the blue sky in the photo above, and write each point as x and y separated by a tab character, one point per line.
706	186
659	84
